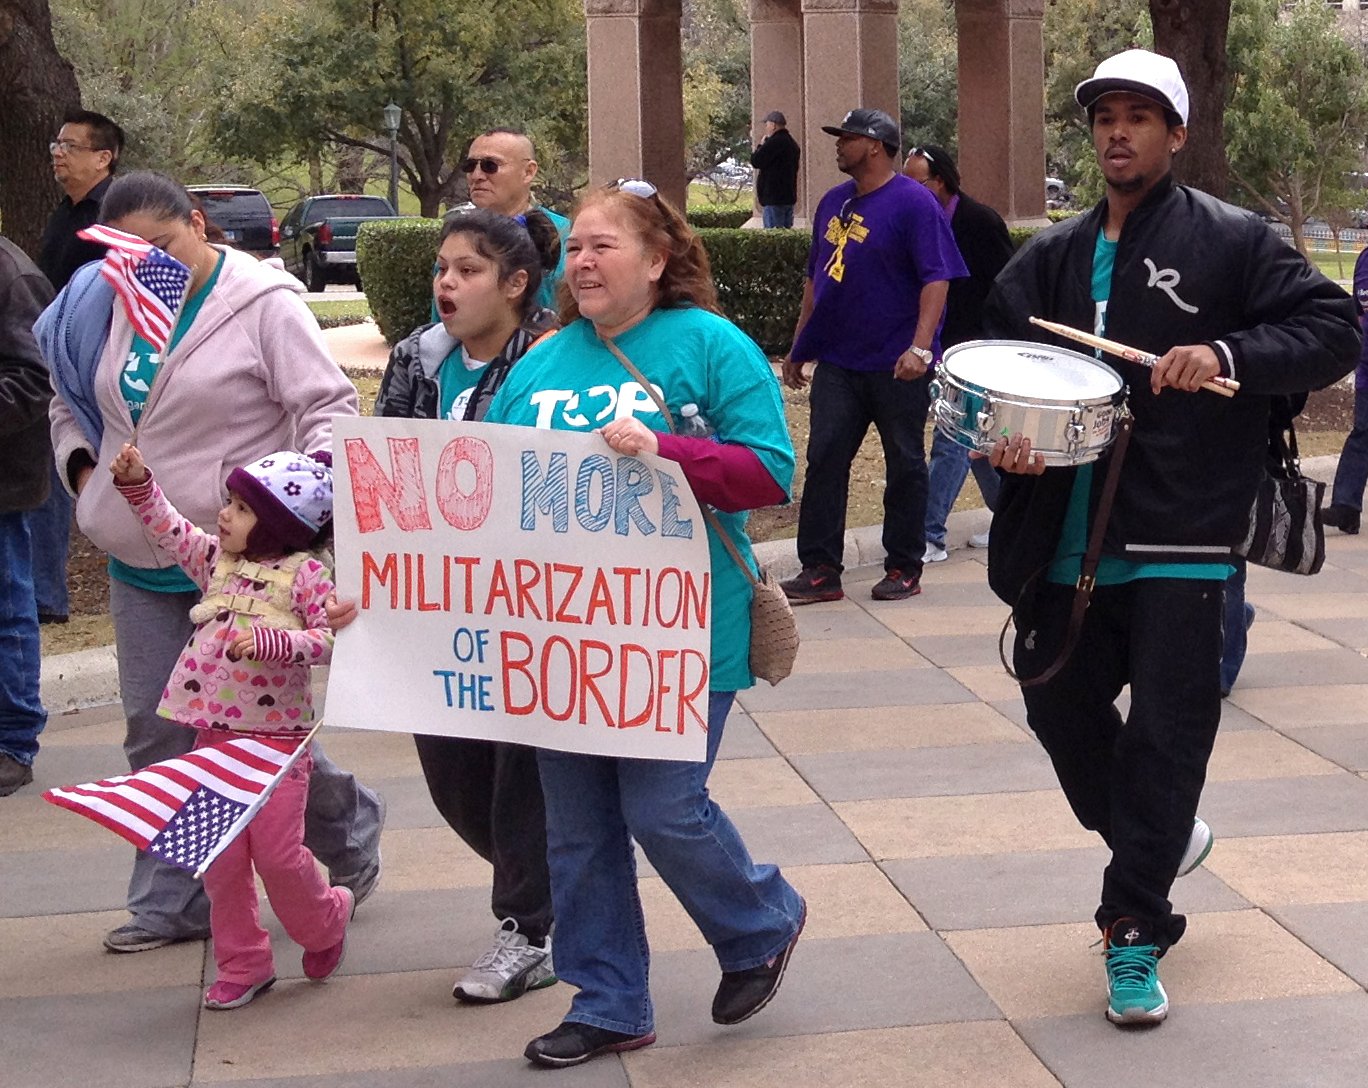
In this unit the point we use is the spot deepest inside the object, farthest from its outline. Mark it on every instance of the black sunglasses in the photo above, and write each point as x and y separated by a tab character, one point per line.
489	166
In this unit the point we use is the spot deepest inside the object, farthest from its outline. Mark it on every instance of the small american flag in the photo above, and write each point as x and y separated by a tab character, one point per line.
186	810
150	282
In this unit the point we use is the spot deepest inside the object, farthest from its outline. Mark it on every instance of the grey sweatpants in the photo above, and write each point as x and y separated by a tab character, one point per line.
343	818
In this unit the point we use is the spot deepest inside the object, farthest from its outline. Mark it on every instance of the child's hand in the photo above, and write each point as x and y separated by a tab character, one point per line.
242	646
128	466
340	613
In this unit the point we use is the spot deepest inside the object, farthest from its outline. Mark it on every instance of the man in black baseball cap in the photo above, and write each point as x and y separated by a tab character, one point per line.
881	260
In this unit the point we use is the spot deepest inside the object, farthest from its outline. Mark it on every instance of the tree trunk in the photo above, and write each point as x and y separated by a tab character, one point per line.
1193	32
351	170
37	88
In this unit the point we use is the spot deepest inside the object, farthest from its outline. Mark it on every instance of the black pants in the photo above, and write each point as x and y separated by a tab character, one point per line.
490	793
843	405
1135	782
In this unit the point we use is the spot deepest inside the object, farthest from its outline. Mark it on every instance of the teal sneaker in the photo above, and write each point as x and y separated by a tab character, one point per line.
1135	995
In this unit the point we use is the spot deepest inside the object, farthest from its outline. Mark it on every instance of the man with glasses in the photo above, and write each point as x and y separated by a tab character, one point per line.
986	248
881	260
85	155
500	168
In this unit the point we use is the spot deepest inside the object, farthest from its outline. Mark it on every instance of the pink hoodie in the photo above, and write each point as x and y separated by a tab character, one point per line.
251	375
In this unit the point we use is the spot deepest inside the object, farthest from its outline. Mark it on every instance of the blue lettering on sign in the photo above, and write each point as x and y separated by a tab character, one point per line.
470	645
466	691
605	494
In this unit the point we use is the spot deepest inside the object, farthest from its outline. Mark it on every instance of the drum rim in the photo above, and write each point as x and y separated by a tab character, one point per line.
1036	345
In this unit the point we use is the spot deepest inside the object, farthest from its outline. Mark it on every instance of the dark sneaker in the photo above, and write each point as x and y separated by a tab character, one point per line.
896	586
131	937
362	883
1134	994
741	994
13	774
572	1043
814	584
1343	518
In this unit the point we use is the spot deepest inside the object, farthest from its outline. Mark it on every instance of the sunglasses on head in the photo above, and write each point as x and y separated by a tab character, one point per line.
636	186
923	153
489	166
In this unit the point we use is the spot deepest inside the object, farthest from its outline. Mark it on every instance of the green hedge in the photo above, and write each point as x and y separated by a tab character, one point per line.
715	218
395	259
759	276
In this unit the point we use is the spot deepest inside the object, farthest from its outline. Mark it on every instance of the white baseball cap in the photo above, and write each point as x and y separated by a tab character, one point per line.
1140	72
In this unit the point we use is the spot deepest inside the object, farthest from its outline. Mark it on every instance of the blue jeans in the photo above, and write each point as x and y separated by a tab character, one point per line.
950	464
595	807
22	716
843	405
1235	622
777	215
50	525
1352	473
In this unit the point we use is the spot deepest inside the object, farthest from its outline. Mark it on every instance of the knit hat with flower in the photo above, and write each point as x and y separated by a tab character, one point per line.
291	495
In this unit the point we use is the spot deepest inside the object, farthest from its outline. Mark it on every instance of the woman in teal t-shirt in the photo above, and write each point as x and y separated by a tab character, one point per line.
638	276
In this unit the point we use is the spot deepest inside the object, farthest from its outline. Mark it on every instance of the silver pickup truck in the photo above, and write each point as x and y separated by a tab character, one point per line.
318	236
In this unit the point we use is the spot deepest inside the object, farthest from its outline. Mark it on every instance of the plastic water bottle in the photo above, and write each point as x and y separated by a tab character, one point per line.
693	424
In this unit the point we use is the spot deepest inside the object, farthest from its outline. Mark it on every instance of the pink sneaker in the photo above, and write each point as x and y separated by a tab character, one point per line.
324	964
233	995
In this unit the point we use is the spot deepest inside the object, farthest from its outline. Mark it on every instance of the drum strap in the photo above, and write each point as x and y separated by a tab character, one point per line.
1087	574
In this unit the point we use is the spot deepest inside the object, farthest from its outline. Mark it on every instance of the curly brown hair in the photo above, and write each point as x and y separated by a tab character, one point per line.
687	278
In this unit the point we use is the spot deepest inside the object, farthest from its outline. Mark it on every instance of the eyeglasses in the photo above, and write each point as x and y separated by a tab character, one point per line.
68	146
921	152
636	186
489	166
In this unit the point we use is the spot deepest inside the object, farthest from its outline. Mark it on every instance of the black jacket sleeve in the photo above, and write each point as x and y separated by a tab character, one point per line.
25	446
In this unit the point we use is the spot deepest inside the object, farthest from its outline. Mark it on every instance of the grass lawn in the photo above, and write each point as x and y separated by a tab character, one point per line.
332	313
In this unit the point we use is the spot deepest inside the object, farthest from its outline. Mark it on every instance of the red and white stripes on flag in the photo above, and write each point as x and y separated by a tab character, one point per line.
150	282
187	810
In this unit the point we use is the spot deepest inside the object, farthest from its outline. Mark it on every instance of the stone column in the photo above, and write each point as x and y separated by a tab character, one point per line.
636	93
1002	105
850	59
777	75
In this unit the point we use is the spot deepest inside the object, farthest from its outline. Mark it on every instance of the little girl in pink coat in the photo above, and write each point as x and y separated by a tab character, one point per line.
260	627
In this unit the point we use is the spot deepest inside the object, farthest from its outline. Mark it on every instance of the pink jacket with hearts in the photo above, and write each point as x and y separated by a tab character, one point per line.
269	694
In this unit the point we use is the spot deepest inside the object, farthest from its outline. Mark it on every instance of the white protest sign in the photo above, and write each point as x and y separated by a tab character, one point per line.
520	585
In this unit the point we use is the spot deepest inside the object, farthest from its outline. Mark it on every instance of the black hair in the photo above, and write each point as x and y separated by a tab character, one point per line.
528	243
147	192
105	135
940	164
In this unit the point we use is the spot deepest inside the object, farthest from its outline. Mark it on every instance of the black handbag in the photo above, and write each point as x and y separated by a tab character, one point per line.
1285	529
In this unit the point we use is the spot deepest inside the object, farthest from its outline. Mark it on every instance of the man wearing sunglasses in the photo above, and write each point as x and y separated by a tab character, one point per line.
500	168
881	260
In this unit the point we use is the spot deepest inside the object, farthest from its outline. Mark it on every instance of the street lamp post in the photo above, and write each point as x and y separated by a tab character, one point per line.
393	114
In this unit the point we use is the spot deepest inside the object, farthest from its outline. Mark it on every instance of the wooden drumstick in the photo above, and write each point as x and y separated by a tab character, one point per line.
1227	387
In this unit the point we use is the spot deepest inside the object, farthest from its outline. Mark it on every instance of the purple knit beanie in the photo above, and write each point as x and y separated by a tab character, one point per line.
291	495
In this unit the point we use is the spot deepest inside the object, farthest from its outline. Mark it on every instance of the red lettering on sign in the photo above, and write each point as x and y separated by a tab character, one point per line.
400	492
386	574
461	509
511	665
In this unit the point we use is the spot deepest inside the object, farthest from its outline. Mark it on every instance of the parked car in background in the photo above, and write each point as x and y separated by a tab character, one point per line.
318	236
244	215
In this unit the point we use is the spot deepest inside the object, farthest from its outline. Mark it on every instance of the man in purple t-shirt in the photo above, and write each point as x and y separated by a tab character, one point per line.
881	260
1346	497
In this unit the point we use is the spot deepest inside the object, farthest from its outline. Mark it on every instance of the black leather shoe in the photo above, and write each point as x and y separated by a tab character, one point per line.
572	1043
13	775
741	994
1343	518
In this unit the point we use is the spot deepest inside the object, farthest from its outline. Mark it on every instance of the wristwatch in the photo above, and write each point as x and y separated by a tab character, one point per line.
924	354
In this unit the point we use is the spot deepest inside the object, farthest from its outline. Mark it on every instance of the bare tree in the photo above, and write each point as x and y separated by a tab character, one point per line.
1193	32
37	86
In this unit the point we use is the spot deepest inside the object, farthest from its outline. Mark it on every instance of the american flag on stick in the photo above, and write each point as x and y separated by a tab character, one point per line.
149	281
187	810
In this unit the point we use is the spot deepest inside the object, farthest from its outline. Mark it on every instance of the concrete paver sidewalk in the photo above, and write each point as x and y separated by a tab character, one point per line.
950	893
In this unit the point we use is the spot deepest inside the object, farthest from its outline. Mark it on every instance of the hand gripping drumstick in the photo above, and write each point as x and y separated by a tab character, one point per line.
1227	387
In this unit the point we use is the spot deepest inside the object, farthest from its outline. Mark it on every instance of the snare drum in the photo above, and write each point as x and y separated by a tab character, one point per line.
1067	404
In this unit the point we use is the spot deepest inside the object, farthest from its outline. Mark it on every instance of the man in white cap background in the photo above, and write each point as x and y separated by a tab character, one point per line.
881	260
1212	291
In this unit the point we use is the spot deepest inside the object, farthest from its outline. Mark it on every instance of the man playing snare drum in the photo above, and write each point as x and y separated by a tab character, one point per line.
1213	292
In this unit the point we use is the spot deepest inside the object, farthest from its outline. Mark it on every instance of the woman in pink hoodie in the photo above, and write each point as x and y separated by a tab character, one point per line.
245	373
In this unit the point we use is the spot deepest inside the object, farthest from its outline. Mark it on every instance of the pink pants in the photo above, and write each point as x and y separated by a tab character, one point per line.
312	913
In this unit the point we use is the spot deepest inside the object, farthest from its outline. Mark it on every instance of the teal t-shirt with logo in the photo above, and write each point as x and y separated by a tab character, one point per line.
456	380
570	381
135	383
1073	541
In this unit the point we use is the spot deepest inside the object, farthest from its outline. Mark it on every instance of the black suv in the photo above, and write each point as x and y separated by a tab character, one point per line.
244	215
